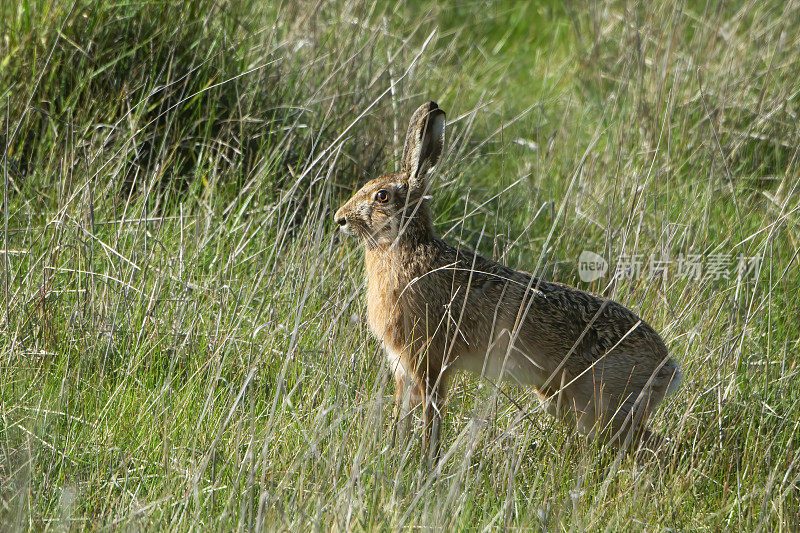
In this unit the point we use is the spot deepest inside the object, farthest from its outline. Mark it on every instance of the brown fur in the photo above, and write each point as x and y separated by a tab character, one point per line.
436	308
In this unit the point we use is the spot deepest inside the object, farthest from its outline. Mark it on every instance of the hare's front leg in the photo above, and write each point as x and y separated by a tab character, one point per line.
412	389
435	391
407	396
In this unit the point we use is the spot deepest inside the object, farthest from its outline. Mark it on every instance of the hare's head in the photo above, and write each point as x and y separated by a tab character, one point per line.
395	204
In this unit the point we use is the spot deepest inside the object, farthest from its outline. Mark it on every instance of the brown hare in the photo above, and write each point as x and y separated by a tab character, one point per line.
437	308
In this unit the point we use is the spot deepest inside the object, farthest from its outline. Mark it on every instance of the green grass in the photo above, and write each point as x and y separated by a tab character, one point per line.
183	336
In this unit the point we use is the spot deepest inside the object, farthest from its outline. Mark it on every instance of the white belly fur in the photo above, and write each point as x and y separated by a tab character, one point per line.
499	364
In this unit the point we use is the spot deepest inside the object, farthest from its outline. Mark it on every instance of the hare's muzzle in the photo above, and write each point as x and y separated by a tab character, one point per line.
341	221
344	227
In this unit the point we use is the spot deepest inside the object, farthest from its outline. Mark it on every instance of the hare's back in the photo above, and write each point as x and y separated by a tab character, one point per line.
554	321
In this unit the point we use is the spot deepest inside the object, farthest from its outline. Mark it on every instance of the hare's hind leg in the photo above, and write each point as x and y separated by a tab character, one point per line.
628	427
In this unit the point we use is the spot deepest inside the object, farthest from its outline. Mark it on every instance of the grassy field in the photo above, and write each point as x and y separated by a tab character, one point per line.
184	343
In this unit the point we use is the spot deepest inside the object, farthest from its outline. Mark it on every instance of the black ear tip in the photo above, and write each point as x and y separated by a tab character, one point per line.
433	107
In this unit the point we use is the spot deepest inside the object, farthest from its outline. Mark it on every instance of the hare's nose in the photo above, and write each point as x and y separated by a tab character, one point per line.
341	221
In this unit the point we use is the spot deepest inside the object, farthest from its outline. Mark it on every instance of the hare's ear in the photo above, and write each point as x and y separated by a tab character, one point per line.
424	143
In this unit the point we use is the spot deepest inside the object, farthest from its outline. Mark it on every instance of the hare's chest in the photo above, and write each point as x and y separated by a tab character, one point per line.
384	313
380	314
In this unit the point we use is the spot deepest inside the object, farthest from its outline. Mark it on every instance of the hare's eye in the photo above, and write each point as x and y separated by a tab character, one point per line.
382	196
